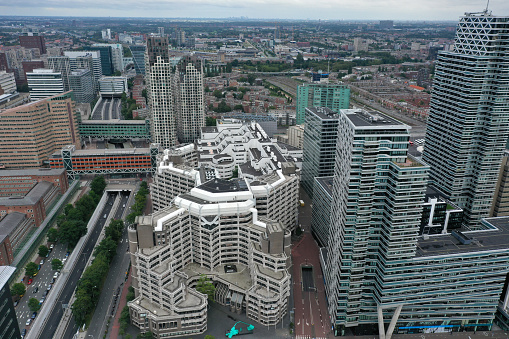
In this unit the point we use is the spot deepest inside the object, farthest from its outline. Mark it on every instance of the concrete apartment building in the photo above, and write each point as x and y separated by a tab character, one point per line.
214	230
29	134
44	83
7	83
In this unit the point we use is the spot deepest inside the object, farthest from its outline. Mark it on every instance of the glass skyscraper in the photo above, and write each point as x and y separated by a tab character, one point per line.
468	121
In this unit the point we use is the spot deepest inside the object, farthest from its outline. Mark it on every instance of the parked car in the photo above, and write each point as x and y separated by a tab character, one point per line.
35	290
42	262
34	315
29	281
23	333
16	303
28	322
51	246
42	300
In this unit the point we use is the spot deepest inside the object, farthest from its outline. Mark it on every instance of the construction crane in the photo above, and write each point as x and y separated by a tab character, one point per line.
234	331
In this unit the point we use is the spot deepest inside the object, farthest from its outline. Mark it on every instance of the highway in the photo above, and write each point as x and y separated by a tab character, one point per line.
54	318
113	284
115	276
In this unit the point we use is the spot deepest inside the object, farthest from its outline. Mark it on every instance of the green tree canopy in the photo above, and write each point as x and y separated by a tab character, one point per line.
56	264
31	268
114	230
107	248
70	232
206	286
18	289
43	251
52	235
33	304
98	185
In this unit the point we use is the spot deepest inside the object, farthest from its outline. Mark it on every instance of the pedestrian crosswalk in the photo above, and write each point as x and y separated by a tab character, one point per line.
308	337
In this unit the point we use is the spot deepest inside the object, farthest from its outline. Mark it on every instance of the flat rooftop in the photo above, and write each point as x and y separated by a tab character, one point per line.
493	238
222	186
113	122
323	112
27	172
326	183
363	118
105	152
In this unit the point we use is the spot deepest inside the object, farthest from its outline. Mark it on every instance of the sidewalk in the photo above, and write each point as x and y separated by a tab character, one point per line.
116	324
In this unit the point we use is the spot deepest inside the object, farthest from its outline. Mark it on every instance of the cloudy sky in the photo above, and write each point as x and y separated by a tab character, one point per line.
285	9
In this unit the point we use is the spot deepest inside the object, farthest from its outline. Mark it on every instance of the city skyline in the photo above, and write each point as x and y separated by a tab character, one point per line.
431	10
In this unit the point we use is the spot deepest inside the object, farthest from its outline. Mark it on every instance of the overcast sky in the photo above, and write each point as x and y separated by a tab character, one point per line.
284	9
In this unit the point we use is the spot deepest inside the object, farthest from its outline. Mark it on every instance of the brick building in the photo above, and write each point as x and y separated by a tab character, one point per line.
20	182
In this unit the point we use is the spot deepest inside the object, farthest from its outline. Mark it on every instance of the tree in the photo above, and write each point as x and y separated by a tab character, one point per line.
33	304
206	286
56	264
117	74
70	232
52	235
146	335
31	268
210	121
98	185
130	294
107	248
251	79
208	336
18	289
217	93
114	230
43	251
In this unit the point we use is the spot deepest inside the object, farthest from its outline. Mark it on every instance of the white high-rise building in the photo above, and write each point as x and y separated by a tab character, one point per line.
190	100
44	83
468	124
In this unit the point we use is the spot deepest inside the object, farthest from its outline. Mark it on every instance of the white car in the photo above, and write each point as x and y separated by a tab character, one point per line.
28	322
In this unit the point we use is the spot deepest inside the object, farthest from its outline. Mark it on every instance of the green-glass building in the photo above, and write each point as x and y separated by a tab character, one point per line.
333	96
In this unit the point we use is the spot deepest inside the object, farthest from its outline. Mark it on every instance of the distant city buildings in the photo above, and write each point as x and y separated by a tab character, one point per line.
31	38
81	82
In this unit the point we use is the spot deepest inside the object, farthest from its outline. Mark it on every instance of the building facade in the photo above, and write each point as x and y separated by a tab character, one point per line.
44	83
138	52
29	134
113	85
245	256
81	82
9	328
321	212
319	146
500	205
190	99
468	124
332	96
20	182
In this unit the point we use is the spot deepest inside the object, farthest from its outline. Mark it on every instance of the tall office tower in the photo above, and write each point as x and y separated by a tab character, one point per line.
333	96
138	52
8	322
160	31
81	82
376	208
106	55
29	134
319	151
30	38
468	122
117	55
61	64
180	37
44	83
87	59
189	99
277	32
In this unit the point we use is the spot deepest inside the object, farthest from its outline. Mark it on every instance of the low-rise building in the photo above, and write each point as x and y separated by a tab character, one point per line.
20	182
13	229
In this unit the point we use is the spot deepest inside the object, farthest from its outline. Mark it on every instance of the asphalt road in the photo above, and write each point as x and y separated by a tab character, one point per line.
54	319
116	277
40	282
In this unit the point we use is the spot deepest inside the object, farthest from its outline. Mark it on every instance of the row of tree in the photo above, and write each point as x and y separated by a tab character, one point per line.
72	224
90	285
128	105
140	201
